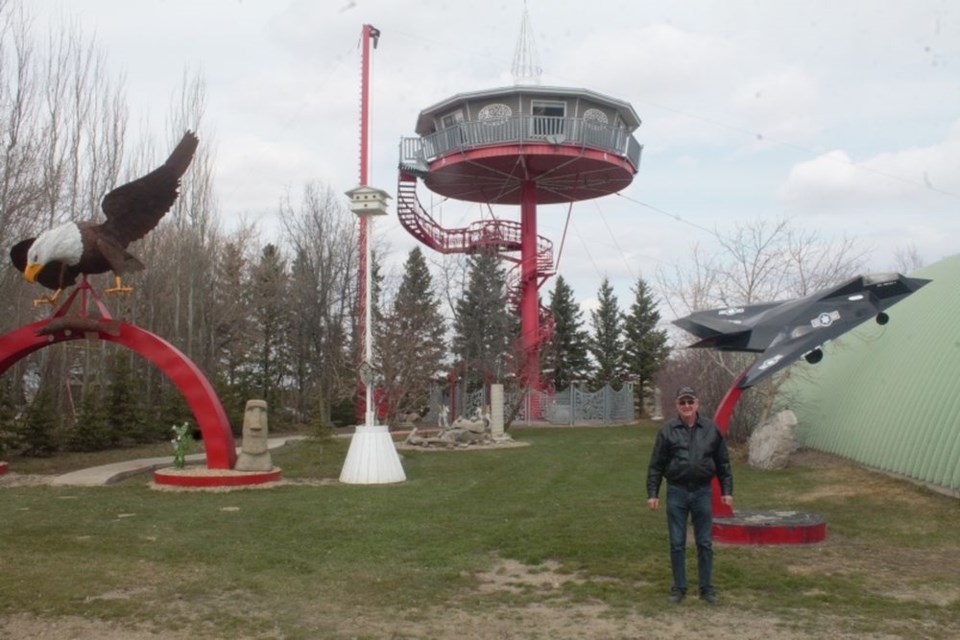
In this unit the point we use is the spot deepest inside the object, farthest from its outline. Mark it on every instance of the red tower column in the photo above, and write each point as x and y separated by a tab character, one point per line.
369	32
529	304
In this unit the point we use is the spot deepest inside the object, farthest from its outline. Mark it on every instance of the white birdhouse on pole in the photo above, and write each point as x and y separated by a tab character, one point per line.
368	201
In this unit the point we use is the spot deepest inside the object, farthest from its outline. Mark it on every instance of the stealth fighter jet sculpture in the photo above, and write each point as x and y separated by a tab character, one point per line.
783	331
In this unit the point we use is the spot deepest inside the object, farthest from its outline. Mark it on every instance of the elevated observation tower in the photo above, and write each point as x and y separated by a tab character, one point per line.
521	145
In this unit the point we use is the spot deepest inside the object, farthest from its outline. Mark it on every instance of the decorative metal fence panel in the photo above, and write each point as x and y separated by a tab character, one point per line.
574	405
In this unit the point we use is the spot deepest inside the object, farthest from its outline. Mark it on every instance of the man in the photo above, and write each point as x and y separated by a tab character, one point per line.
688	452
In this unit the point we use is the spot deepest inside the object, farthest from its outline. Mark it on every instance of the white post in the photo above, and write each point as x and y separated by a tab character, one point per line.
368	387
372	457
496	411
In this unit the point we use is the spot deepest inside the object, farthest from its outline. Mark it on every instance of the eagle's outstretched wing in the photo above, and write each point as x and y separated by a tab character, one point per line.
135	208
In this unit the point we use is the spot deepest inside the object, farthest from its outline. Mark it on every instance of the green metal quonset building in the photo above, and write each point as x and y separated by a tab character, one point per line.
888	397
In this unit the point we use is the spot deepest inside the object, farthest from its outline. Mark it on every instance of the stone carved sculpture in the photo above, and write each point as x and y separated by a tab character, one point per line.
254	451
463	432
442	412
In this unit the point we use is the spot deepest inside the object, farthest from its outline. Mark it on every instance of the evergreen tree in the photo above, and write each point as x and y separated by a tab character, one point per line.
483	324
271	324
8	414
606	343
92	430
568	353
231	325
410	341
645	346
124	410
174	410
37	434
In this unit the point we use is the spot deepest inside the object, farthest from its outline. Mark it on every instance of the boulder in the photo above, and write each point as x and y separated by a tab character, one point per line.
772	443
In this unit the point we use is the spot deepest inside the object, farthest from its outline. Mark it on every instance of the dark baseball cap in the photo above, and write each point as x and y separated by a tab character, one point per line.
686	391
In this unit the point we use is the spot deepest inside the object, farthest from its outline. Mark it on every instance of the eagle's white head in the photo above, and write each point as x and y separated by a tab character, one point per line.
63	244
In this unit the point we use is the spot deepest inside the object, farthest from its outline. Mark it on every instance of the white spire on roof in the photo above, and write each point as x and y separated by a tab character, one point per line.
526	63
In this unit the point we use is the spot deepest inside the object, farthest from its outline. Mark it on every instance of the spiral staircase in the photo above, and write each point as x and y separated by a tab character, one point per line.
501	236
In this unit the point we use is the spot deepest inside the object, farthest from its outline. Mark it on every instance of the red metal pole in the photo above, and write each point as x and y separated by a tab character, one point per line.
722	418
360	407
529	305
365	103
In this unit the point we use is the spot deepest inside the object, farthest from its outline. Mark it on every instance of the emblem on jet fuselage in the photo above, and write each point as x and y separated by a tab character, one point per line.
825	319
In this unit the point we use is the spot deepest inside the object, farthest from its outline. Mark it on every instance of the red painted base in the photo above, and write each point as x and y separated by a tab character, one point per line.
770	527
227	478
3	468
758	527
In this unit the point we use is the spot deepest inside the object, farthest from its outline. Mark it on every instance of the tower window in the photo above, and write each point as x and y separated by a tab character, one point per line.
548	117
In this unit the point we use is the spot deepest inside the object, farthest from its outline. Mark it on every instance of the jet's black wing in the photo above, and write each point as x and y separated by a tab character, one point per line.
727	329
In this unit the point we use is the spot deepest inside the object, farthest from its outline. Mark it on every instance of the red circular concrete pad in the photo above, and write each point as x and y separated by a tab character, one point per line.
177	478
770	527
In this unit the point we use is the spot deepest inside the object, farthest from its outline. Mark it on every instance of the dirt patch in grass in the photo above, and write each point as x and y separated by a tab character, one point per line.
553	616
27	627
14	479
566	621
515	577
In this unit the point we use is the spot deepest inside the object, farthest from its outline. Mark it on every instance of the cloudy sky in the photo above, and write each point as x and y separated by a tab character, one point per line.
843	115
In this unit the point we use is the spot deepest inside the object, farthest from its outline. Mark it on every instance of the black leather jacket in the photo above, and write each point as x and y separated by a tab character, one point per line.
689	457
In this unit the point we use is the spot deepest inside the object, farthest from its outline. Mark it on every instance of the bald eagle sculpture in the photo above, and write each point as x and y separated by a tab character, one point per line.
57	256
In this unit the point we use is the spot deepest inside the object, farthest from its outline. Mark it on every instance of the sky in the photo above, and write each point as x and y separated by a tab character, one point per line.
842	116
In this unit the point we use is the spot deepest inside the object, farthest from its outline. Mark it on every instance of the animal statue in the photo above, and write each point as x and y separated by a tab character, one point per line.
58	256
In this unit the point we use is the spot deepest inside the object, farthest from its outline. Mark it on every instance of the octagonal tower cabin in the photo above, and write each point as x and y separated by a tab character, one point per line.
519	145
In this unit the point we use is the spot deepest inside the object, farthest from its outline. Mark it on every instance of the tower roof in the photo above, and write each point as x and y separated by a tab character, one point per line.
625	109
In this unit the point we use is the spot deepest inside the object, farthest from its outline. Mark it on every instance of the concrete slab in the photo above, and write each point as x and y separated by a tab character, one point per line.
111	473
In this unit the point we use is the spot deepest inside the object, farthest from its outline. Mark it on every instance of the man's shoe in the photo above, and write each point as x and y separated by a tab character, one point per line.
710	598
677	596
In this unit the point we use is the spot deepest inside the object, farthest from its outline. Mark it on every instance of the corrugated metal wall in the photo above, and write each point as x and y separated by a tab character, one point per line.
889	396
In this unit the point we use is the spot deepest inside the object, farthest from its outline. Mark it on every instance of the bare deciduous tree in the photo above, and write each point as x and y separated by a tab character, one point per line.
322	235
63	128
908	259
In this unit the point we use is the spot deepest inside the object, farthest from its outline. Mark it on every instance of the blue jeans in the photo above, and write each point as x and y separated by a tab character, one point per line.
696	505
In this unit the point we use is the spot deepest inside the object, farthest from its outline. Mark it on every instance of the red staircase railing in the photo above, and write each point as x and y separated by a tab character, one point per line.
502	236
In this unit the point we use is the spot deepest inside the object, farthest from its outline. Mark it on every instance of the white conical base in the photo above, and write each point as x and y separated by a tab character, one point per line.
372	458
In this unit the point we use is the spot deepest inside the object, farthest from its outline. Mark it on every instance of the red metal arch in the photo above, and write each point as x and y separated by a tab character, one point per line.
189	380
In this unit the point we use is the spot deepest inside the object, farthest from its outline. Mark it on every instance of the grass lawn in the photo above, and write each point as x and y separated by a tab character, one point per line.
552	540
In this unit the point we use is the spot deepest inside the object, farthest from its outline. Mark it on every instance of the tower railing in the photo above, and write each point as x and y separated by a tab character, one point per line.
417	153
497	234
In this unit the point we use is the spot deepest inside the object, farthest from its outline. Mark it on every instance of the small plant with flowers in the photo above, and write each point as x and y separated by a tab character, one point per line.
181	444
